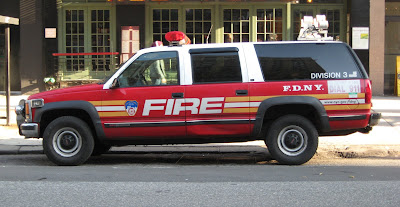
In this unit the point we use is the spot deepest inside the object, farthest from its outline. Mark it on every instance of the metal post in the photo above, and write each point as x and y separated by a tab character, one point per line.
7	54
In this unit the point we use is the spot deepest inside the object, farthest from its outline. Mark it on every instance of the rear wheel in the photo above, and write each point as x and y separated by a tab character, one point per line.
68	140
292	140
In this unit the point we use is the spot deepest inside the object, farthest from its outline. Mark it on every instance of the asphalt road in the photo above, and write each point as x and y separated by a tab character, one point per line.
117	180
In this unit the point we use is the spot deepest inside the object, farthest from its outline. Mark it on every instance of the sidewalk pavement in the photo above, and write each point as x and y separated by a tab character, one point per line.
382	142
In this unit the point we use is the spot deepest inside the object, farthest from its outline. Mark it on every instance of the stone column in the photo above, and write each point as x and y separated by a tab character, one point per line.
377	46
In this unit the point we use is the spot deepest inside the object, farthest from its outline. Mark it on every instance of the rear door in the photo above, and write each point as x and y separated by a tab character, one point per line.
216	100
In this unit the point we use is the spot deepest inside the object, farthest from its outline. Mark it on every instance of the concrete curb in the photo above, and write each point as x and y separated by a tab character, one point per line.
360	151
354	151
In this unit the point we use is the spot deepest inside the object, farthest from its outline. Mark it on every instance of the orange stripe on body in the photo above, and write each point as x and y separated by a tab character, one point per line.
347	107
109	103
111	114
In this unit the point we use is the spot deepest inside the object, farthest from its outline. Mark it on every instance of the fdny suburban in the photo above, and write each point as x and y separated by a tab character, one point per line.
285	93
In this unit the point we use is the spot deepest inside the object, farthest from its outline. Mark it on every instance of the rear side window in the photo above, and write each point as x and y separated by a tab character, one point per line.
216	67
306	61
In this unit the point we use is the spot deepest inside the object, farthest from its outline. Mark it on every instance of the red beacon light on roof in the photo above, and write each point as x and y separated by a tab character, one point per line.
177	38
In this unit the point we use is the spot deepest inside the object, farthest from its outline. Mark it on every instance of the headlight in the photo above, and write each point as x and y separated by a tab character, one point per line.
37	103
19	110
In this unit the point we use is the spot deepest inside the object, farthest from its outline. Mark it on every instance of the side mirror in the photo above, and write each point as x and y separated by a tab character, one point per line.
115	84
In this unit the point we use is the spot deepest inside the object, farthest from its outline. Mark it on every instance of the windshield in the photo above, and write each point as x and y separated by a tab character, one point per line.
104	80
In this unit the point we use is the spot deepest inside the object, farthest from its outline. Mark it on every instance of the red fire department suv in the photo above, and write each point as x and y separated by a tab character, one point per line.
285	93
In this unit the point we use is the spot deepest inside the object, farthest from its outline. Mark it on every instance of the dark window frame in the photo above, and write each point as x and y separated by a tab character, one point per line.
217	52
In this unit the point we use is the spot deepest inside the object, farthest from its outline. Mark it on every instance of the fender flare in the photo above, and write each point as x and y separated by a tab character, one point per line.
81	105
287	100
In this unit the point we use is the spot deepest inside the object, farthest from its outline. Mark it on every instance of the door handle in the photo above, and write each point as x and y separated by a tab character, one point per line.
177	95
241	92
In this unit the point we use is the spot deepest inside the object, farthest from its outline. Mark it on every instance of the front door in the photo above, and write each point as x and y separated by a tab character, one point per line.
141	105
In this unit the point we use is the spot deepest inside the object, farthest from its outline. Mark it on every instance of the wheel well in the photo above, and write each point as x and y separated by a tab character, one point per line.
50	115
304	110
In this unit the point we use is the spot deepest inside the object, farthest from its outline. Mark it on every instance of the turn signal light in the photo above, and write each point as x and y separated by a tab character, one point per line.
27	108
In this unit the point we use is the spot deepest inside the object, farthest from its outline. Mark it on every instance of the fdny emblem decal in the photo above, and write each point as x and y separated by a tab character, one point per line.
131	107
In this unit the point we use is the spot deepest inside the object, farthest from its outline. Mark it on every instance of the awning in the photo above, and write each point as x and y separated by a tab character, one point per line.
9	20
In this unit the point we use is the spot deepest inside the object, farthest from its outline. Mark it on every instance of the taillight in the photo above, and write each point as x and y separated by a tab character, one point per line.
368	91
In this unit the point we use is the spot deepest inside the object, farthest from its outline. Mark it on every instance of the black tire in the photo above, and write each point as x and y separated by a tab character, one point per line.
68	140
292	140
100	148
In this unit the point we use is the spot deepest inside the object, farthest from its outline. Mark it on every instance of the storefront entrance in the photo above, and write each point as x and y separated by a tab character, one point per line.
392	46
240	22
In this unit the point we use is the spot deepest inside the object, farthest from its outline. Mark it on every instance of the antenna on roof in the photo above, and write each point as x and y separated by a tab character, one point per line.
209	32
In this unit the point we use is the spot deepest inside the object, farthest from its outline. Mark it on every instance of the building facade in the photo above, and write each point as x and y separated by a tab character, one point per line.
79	41
124	26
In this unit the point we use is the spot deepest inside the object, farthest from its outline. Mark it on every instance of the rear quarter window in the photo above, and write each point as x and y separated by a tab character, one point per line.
307	61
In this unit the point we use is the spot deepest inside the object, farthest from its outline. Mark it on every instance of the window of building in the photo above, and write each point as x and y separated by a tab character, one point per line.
75	39
236	25
333	17
2	47
307	61
298	15
164	20
198	25
218	67
241	21
100	34
2	57
151	69
269	24
209	23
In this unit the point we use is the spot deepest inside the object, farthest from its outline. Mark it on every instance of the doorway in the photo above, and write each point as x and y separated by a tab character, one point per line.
392	50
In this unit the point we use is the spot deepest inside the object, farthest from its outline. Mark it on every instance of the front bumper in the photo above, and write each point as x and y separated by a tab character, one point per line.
374	119
29	130
25	126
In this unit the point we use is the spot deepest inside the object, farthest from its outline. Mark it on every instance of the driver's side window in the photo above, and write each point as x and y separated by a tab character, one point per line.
151	69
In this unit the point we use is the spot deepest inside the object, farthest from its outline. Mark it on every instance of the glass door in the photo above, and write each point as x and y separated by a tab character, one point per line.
269	24
392	51
198	25
86	30
164	20
236	25
100	31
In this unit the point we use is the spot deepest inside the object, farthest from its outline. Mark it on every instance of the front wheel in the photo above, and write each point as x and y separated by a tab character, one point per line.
68	140
292	140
